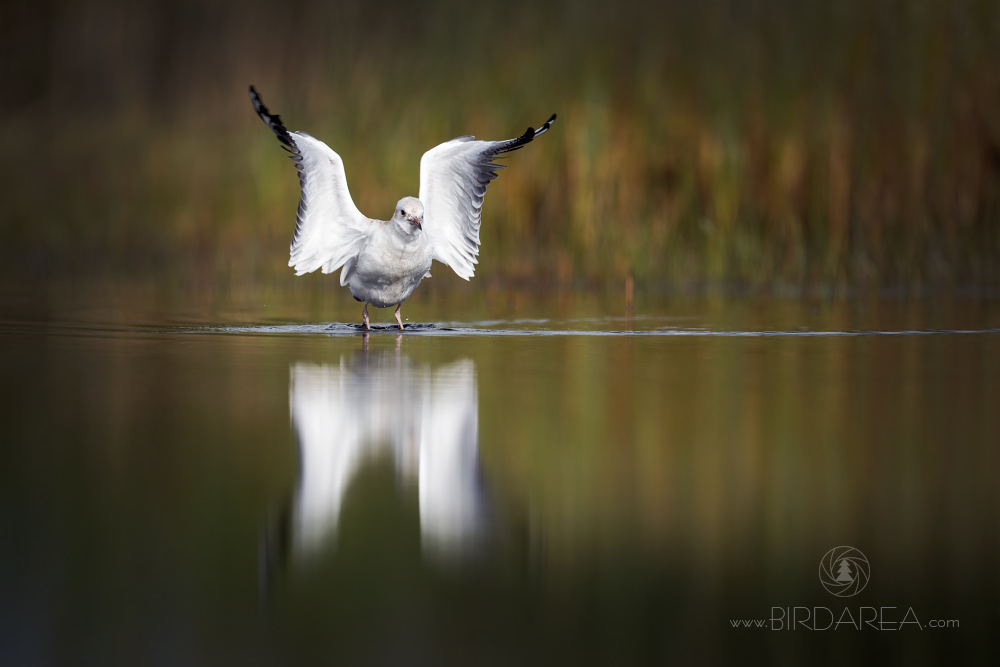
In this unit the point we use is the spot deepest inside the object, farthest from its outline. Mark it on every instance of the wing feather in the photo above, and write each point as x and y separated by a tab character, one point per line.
453	180
329	228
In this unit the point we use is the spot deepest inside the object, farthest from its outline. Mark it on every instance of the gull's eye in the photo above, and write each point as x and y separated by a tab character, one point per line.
401	211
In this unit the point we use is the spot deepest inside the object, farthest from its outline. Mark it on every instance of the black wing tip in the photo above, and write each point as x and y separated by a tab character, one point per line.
273	121
258	104
526	138
545	126
531	132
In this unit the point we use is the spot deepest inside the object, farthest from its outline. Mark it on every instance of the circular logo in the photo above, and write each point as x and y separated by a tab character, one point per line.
844	571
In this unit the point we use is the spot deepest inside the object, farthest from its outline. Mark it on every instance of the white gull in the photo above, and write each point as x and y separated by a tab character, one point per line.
384	260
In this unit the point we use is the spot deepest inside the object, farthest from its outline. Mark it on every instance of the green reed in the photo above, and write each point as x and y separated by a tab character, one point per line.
720	142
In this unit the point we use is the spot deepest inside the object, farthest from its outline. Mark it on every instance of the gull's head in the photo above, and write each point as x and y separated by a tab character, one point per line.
409	215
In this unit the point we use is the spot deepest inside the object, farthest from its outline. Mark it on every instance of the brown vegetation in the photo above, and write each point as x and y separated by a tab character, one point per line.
765	143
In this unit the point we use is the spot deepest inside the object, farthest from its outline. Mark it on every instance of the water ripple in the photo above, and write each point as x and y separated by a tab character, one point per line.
494	328
478	329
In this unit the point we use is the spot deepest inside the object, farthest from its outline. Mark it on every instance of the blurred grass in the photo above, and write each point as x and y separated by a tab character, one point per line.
769	143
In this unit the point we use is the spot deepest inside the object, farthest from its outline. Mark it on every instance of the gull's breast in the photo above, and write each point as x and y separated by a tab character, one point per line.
389	270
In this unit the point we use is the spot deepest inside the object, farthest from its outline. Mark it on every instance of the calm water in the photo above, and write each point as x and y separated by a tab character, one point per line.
531	478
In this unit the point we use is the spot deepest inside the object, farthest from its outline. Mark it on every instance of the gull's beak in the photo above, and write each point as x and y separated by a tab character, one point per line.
415	222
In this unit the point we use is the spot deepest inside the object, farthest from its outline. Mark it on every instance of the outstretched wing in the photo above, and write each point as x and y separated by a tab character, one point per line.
453	180
329	228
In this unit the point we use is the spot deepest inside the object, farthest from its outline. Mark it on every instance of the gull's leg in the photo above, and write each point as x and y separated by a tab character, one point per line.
398	306
365	313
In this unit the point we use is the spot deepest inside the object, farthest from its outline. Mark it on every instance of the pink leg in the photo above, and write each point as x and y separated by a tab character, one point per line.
398	306
365	313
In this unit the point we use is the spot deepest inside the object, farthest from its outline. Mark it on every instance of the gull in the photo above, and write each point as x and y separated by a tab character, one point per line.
384	260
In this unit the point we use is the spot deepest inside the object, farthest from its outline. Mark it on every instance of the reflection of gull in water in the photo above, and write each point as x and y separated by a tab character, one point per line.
426	420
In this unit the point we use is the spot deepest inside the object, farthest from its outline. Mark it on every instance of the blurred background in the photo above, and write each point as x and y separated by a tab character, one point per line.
773	144
639	491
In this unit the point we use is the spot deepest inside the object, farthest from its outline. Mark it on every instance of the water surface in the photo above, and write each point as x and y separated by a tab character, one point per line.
523	480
